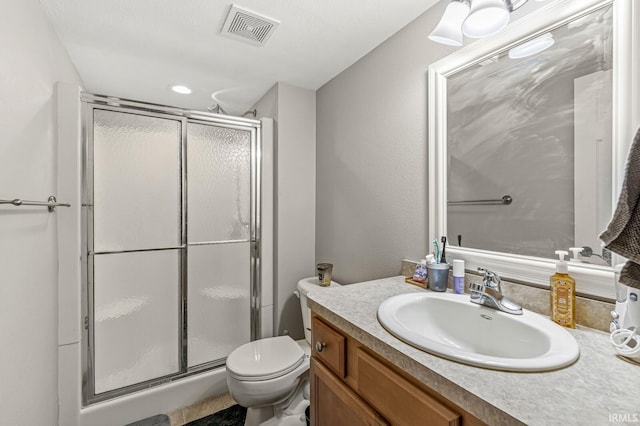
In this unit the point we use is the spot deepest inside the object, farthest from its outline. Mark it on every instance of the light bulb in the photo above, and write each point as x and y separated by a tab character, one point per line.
486	18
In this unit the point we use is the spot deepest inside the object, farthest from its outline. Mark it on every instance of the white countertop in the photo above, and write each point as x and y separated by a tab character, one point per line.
598	389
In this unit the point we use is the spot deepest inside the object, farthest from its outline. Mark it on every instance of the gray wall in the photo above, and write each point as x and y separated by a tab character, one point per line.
294	110
33	60
372	155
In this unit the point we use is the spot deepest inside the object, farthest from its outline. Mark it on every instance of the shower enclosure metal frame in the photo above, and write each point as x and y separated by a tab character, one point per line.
91	102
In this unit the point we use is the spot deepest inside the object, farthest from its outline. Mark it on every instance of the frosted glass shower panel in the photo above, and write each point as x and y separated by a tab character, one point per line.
219	300
136	178
136	317
219	176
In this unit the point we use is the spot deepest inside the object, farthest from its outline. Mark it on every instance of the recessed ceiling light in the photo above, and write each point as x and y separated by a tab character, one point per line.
184	90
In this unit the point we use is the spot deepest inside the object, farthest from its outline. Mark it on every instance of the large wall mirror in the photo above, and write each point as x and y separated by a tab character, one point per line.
528	137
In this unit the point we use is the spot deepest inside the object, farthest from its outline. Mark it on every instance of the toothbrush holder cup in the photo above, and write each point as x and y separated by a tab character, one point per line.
438	276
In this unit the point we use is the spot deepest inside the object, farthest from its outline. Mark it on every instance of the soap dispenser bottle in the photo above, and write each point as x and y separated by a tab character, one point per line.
563	294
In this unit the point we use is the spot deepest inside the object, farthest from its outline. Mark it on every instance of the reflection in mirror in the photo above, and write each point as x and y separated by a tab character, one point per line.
535	124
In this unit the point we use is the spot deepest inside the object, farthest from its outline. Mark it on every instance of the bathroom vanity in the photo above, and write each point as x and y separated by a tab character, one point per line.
351	385
361	374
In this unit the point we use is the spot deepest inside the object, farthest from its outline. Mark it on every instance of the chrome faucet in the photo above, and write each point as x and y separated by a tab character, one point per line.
489	294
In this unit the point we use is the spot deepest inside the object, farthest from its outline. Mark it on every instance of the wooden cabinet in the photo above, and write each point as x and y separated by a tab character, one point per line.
329	346
334	403
401	402
352	386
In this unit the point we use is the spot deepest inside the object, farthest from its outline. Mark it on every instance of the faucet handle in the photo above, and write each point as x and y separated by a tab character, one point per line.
490	277
477	290
489	294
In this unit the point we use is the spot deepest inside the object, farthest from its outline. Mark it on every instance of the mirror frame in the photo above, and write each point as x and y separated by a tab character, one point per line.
592	281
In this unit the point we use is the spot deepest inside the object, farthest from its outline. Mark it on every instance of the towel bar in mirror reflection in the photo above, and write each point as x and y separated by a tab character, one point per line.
505	201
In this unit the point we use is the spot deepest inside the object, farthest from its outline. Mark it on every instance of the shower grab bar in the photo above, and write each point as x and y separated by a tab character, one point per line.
506	200
51	203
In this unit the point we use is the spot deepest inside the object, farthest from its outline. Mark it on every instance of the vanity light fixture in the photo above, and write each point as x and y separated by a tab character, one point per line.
183	90
474	19
449	29
532	47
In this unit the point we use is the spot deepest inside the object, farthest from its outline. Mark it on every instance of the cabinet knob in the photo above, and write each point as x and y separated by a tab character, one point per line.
320	346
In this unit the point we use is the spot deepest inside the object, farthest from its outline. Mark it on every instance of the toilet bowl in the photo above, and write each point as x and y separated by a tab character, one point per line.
271	376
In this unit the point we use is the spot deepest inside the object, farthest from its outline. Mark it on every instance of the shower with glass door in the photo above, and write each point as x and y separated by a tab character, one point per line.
171	227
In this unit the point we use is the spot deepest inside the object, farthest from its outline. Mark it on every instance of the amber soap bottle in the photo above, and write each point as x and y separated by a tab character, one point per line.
563	294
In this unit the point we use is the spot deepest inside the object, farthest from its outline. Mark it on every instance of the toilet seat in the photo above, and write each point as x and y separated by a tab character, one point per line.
265	359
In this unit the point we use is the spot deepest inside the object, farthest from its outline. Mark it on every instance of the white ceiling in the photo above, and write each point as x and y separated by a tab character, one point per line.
138	49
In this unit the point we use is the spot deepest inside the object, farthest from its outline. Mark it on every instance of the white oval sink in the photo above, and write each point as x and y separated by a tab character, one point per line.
451	326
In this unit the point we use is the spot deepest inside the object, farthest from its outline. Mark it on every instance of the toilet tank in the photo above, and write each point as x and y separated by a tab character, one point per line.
305	286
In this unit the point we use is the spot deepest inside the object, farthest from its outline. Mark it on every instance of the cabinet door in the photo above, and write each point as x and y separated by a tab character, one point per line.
333	403
398	400
332	347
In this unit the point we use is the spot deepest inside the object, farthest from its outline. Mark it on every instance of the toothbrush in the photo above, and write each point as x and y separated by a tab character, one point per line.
443	259
436	246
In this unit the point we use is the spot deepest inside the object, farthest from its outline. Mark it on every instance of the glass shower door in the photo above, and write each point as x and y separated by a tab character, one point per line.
171	234
219	241
136	248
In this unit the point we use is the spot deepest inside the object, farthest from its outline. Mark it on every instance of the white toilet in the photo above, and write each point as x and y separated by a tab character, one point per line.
271	376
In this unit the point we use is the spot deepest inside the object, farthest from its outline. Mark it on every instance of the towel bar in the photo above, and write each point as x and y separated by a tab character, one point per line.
51	203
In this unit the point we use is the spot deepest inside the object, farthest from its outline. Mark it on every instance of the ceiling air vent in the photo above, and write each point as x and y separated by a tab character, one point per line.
245	25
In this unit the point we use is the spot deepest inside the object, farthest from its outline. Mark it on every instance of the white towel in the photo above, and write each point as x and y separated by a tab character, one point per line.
623	233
